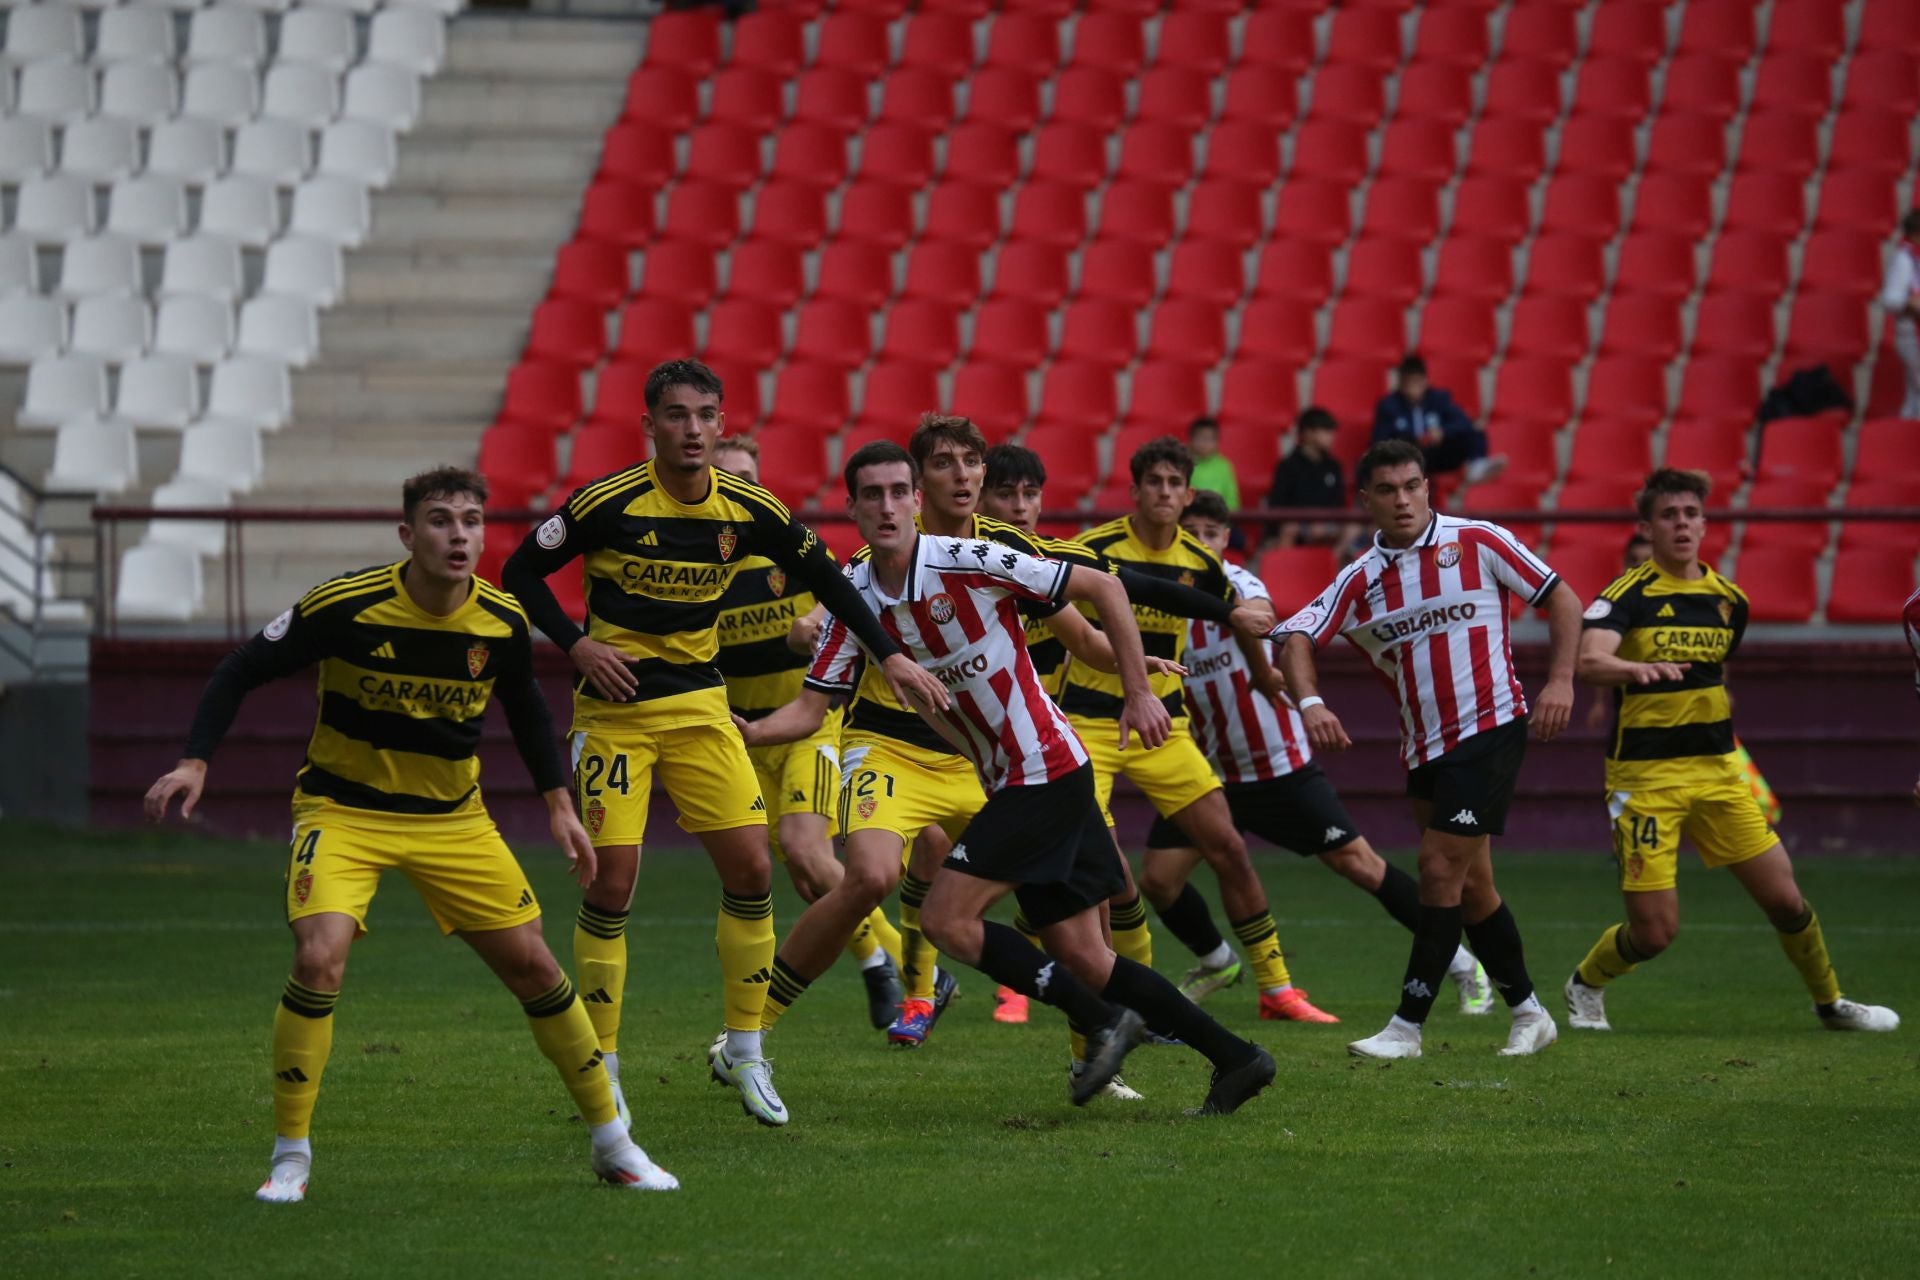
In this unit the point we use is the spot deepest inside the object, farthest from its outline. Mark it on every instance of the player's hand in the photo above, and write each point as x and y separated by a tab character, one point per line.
748	730
573	841
803	634
1657	672
1324	730
1552	710
604	669
914	684
1147	716
1164	667
1252	618
1271	683
187	780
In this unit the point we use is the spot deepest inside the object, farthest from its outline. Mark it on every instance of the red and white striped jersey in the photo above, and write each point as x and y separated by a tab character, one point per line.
1250	736
1432	617
1910	620
959	617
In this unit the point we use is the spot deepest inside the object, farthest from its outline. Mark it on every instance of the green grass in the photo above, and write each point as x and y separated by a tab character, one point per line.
1719	1131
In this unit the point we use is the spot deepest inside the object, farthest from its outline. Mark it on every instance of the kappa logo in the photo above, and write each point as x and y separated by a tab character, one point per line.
1666	611
1333	833
1418	989
650	539
1042	978
959	854
385	650
1466	819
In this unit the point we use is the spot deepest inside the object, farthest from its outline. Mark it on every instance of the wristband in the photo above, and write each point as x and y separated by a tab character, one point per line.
1308	703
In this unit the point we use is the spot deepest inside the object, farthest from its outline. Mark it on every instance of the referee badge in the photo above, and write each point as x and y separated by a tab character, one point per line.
940	608
1448	555
777	581
476	659
727	542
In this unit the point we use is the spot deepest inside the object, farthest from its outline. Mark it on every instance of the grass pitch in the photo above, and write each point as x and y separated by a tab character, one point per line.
1719	1131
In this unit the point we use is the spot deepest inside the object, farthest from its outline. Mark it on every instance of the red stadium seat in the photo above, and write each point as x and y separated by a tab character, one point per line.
1883	78
939	42
1627	388
993	395
1367	327
921	331
767	271
600	449
1011	330
747	96
1772	202
1365	36
1329	151
1256	94
1313	211
1811	26
894	395
1243	151
894	151
1656	262
1870	138
685	39
1641	324
1722	28
917	96
1716	386
637	152
1448	370
1507	146
1051	212
1560	263
705	213
856	271
1474	266
1252	448
1679	204
1803	449
831	96
1079	395
793	459
1439	94
1534	388
1167	393
1296	269
852	40
1829	329
1277	40
1613	86
1295	575
983	151
1583	203
1841	262
963	211
1903	535
1613	493
1870	583
1418	147
1715	445
1541	31
1187	331
1450	35
792	212
1029	270
1491	206
1095	97
1407	208
1176	95
1734	324
1803	537
665	99
1551	325
1593	149
1259	392
1890	27
1028	43
1208	271
1752	262
1349	388
591	270
1697	144
652	327
680	270
842	537
833	331
1586	566
724	154
771	39
1002	96
882	214
1606	449
1277	328
1347	92
1139	211
1098	330
1780	141
1529	451
1524	88
1704	85
542	394
1115	41
1385	269
811	395
1795	82
1193	38
621	213
619	392
568	331
1857	200
943	271
1888	450
1633	29
1499	497
1072	463
1071	152
1225	210
517	460
1465	325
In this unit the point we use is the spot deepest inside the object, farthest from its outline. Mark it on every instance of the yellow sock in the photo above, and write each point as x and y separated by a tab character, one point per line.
1078	1041
885	934
565	1034
302	1039
1131	937
786	987
863	943
1261	938
1612	957
745	939
1025	928
918	957
600	956
1806	947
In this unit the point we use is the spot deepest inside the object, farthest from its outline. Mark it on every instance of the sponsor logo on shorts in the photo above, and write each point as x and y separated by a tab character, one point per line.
1466	819
278	627
596	816
728	541
476	659
551	533
1333	833
959	854
1448	555
940	608
302	887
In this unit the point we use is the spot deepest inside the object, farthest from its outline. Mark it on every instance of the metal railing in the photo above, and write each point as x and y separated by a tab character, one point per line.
48	569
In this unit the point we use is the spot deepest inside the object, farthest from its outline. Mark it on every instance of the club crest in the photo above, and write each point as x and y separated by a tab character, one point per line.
1448	555
776	581
1186	577
1726	610
596	816
476	659
728	541
302	886
940	608
867	807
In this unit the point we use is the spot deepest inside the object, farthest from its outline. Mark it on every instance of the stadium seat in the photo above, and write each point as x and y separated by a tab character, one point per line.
677	269
158	582
1586	566
1533	388
100	150
1735	324
1870	137
223	452
1545	32
1829	329
387	94
1715	445
1655	261
328	208
539	393
1610	493
1072	463
706	213
1166	393
275	151
743	329
1802	449
984	152
1349	388
1722	28
1672	203
1885	450
1750	262
1563	263
767	271
994	395
791	212
1627	388
812	396
895	393
747	96
1098	330
1050	212
416	39
1779	141
1313	211
1092	97
321	37
1642	324
199	537
1702	84
921	331
833	332
915	95
1277	328
1506	146
1346	92
1187	331
619	395
1386	269
116	329
1491	206
1367	327
1806	538
1137	211
305	95
1524	88
1156	152
724	155
1720	386
1226	211
600	449
1299	270
939	42
26	148
1278	39
1684	143
665	98
568	331
1030	271
1333	151
1114	41
1209	271
771	40
1605	449
1796	82
1417	147
963	211
63	387
1772	202
1078	395
1550	325
30	327
1857	199
1407	208
1883	78
196	328
1028	43
1870	583
1474	266
1259	392
830	96
1840	261
1177	95
1256	94
942	271
857	271
1633	29
53	209
1295	575
1451	35
517	460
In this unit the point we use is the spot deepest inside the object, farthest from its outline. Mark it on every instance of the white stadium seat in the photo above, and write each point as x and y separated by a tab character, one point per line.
408	37
107	264
54	209
240	208
177	6
94	455
199	329
307	95
20	264
100	150
152	210
362	7
221	92
134	35
358	149
139	91
56	91
280	328
62	388
187	493
187	150
160	391
115	328
202	265
333	209
223	452
302	267
265	6
45	31
278	151
446	7
376	91
251	389
225	33
26	148
321	37
30	327
158	582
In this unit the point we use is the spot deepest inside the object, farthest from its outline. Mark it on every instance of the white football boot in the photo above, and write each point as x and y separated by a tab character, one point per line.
1850	1015
1115	1088
1400	1039
753	1077
1533	1030
287	1183
1586	1006
1476	992
631	1168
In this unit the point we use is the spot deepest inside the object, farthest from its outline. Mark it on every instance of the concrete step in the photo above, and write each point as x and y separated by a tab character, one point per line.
460	161
473	334
505	107
380	277
401	393
565	49
479	224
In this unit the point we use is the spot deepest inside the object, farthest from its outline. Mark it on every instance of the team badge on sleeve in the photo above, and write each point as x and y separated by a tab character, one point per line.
940	608
1448	555
278	627
728	541
1307	620
476	659
552	532
1598	610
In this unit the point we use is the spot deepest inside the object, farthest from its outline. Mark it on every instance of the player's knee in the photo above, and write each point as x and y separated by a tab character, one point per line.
1357	863
866	885
318	965
1651	937
612	887
1159	885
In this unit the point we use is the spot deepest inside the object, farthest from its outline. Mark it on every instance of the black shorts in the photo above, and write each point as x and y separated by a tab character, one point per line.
1472	785
1298	811
1050	842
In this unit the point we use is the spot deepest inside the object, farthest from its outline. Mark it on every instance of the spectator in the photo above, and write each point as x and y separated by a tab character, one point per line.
1898	295
1425	415
1310	476
1210	470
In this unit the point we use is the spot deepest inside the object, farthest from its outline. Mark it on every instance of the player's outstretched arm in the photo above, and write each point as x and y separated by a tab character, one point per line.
551	547
1554	707
804	634
1143	713
1324	730
1088	644
1600	663
799	719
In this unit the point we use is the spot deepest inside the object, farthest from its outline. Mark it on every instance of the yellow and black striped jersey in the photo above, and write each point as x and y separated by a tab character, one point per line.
1049	653
1186	561
762	673
401	693
1661	618
657	571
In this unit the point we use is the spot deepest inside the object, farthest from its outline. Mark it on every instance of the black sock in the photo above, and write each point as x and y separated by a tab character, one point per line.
1172	1014
1188	919
1436	936
1399	893
1496	940
1012	961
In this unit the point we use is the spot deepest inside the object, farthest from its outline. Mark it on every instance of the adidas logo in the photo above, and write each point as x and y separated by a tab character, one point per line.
526	898
385	650
649	539
759	805
596	996
1418	989
1333	833
1466	818
763	976
292	1075
1666	611
591	1063
796	796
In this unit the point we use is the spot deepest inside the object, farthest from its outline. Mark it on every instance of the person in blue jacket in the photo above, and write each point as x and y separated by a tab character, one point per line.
1423	414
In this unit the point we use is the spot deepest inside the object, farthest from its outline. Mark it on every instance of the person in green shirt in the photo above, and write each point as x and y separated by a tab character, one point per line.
1210	470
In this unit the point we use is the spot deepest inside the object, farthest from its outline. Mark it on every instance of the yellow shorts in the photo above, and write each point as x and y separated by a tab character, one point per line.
887	785
457	862
1172	775
800	777
704	768
1719	816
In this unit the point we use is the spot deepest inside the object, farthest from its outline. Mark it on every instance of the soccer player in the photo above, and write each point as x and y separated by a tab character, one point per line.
1428	605
661	543
1660	636
766	631
954	604
1273	787
1174	775
410	656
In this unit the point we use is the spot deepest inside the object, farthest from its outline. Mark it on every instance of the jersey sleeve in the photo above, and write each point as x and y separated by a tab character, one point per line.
1329	613
1737	620
1508	561
835	667
556	541
295	640
798	549
528	716
1613	609
1025	576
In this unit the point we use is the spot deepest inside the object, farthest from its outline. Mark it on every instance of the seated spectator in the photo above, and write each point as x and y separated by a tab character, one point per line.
1310	476
1419	412
1210	470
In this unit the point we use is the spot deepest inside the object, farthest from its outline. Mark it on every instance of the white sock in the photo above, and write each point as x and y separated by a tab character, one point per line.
292	1148
1274	991
876	960
1462	963
1396	1021
1530	1005
612	1061
743	1046
1218	958
610	1136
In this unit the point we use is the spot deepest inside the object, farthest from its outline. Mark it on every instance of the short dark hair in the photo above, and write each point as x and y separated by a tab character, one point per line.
441	482
1014	464
1388	453
944	428
1910	225
1161	449
1411	366
1203	424
875	453
1665	480
1207	505
681	373
1635	541
1315	418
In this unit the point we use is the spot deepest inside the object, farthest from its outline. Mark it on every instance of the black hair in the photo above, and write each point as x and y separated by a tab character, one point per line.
1388	453
1207	505
875	453
441	482
681	373
1014	464
1314	417
1161	449
1665	480
1411	366
1203	424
